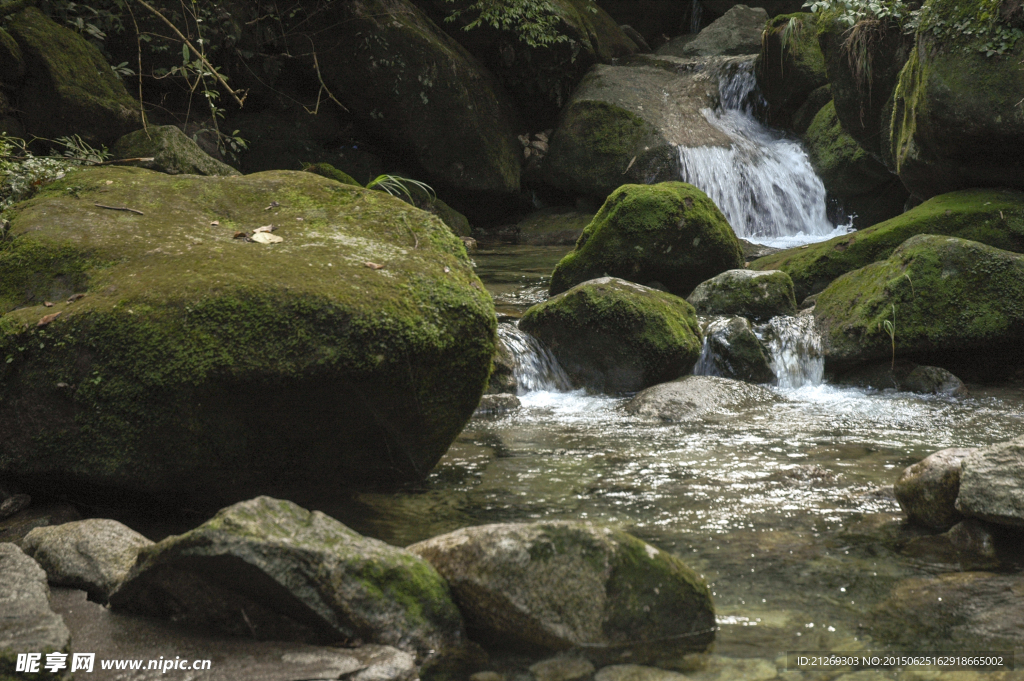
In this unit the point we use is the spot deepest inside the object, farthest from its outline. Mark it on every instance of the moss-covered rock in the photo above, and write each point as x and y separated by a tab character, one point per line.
269	569
804	116
943	295
756	295
197	366
790	66
669	233
732	350
419	90
557	226
957	121
330	172
69	88
12	62
858	181
624	124
993	217
173	152
456	221
615	336
626	597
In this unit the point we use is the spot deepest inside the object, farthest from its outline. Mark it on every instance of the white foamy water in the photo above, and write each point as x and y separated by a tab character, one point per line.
795	349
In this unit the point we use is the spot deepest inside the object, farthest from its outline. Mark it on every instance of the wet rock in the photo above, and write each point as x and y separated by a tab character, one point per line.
927	490
635	672
616	336
563	668
559	226
670	233
503	372
265	348
626	596
993	217
487	676
696	397
758	295
497	404
94	555
971	544
27	624
732	350
934	380
752	251
270	570
790	65
69	88
992	484
738	31
172	151
955	611
16	503
719	668
14	528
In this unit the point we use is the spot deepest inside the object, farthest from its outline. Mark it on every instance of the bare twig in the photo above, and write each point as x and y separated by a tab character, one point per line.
127	210
138	46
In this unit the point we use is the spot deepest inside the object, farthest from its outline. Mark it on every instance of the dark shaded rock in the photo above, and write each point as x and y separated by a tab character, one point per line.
94	555
497	404
992	484
553	226
804	116
12	62
993	217
927	490
736	32
790	65
934	380
732	350
28	624
69	88
670	233
16	503
271	570
697	397
637	39
626	596
612	335
752	251
758	295
14	528
173	152
878	375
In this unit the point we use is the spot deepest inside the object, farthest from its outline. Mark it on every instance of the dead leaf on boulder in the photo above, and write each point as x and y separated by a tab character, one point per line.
264	228
374	266
47	304
266	238
240	235
215	223
77	296
48	318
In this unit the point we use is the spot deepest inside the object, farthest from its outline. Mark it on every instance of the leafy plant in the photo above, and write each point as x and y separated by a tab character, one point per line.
890	328
535	22
401	186
24	173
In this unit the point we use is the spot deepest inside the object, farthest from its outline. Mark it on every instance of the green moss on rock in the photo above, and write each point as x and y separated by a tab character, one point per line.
670	233
615	336
330	172
991	216
947	295
197	367
790	66
756	295
173	152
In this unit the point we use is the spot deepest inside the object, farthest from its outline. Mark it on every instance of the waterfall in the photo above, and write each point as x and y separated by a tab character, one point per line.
696	16
710	363
534	366
764	182
795	348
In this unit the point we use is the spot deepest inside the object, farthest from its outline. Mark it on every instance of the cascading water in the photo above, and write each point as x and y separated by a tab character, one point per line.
764	182
696	16
535	367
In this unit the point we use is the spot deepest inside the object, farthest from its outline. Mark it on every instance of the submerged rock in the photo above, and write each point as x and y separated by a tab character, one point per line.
927	490
626	596
670	233
697	397
94	555
173	152
191	364
992	484
268	569
27	624
616	336
747	293
733	350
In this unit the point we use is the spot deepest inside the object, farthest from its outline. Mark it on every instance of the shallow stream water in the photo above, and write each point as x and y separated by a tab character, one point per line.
787	510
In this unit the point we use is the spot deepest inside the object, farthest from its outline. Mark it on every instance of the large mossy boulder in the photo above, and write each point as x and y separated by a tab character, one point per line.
420	91
182	366
616	336
957	120
269	569
565	585
669	234
944	297
992	484
625	124
790	65
748	293
993	217
173	152
857	180
69	88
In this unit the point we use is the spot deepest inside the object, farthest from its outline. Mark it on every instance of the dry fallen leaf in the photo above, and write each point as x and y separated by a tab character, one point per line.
47	304
264	228
109	182
273	204
374	266
266	238
300	219
240	235
215	223
447	269
77	296
48	318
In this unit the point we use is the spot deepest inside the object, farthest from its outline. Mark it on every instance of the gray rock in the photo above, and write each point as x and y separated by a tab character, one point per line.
27	623
732	350
695	397
738	31
268	569
635	672
497	404
562	668
992	483
15	528
173	152
935	380
759	295
94	555
16	503
625	596
555	226
927	490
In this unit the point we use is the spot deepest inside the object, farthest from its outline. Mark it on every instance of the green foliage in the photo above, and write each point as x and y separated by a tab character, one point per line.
890	328
850	12
401	186
23	172
535	22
